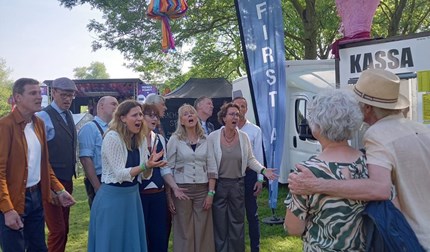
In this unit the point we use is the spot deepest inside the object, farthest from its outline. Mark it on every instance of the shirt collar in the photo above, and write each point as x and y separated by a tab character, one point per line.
55	106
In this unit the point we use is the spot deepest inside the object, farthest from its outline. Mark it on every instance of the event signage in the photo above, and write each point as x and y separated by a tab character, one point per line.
399	55
143	90
262	34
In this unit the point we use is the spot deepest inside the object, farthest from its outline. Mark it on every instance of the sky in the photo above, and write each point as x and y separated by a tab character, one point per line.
42	40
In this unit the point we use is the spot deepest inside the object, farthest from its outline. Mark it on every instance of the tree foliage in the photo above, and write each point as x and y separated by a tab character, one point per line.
96	70
5	88
401	17
208	35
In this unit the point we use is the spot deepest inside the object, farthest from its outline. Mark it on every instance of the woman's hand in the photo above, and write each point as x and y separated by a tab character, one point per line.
179	193
207	204
154	161
170	204
270	174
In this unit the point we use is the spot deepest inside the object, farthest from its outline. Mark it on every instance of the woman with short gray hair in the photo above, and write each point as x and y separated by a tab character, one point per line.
333	117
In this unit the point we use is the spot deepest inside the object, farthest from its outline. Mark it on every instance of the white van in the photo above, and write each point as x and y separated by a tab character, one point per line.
304	78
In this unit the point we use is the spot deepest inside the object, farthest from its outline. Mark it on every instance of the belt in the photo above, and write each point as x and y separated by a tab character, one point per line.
152	190
32	188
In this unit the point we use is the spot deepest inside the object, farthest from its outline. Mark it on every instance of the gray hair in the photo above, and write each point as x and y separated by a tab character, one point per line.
381	112
336	114
154	99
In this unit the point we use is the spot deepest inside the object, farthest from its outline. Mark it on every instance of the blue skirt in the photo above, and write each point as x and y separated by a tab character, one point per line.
116	220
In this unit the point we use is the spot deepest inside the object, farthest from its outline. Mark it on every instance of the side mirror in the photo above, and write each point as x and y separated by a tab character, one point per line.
305	132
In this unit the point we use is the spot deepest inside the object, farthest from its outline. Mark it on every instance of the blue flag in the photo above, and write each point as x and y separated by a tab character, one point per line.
262	34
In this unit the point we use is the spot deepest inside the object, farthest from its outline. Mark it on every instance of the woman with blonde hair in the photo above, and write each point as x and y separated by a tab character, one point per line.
192	183
116	218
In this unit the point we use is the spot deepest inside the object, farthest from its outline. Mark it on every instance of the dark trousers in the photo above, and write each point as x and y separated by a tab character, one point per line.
252	210
32	236
154	209
228	211
90	189
57	220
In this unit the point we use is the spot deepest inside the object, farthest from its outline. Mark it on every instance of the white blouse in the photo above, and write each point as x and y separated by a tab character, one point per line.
114	158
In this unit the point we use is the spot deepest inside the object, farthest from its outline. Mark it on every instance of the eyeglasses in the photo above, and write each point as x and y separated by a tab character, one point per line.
66	95
152	116
233	114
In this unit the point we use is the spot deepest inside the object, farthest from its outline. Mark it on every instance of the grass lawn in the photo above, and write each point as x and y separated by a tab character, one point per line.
273	238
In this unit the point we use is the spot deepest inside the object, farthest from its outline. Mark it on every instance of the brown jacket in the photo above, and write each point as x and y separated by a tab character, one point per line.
14	163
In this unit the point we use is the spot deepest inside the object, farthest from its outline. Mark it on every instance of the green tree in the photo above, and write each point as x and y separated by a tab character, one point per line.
401	17
210	29
5	88
96	70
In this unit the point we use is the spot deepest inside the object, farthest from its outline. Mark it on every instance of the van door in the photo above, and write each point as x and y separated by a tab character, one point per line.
300	150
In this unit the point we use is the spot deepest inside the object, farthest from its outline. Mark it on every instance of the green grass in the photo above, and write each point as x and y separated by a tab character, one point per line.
273	238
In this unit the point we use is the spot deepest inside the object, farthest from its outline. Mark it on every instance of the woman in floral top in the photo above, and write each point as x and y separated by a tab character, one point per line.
329	223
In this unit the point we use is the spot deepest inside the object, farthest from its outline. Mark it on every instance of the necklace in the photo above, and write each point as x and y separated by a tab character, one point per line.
229	140
193	141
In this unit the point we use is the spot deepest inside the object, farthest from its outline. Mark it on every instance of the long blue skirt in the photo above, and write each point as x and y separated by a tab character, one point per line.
116	221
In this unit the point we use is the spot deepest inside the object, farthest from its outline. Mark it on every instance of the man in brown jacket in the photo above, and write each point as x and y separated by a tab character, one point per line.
26	177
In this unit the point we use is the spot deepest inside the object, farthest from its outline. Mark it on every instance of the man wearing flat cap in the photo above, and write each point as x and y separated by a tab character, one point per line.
398	153
61	135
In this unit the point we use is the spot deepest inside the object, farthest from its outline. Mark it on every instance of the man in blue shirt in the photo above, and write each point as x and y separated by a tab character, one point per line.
90	144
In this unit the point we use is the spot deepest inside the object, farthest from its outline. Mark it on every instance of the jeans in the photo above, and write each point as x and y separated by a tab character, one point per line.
32	236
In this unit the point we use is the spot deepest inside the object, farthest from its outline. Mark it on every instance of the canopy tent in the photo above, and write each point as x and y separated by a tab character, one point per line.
219	89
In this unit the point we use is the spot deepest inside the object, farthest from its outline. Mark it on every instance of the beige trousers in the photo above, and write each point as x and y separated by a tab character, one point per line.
192	225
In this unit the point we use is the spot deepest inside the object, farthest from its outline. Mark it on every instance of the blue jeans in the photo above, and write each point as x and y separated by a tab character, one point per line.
252	210
31	238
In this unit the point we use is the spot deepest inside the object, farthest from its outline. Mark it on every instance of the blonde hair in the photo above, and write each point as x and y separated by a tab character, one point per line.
180	129
131	140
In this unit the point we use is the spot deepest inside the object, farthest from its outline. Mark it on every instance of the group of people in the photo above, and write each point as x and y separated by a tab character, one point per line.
332	193
137	181
195	178
206	179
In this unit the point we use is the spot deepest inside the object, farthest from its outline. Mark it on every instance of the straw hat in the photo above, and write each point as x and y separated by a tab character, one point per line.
380	88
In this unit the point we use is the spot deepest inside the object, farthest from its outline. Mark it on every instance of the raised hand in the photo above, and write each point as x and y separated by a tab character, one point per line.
154	160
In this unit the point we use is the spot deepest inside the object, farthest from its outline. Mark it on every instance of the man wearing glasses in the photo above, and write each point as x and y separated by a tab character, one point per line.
62	139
